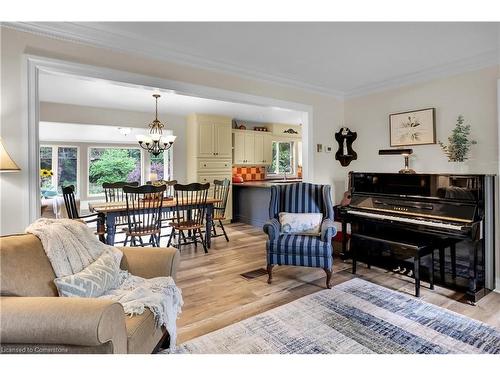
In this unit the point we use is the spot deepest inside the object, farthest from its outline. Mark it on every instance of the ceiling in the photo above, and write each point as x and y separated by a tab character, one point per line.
340	58
99	93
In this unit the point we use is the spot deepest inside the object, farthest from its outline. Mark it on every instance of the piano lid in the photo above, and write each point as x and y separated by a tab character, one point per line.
461	188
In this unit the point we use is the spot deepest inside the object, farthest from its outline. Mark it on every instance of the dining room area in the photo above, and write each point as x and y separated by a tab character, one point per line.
138	165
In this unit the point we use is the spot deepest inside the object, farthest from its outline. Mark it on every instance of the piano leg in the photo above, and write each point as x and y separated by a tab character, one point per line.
441	264
453	257
416	269
353	256
431	270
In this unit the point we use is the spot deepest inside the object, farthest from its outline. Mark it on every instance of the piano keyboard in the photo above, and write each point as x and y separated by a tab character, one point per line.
435	224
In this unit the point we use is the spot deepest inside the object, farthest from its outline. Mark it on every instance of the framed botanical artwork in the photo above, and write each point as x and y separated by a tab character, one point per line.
413	128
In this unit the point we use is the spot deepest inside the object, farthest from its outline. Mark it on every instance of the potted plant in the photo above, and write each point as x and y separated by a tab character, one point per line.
459	145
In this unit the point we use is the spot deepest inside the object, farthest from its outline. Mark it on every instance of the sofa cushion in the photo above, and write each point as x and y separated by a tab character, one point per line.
94	280
25	252
142	333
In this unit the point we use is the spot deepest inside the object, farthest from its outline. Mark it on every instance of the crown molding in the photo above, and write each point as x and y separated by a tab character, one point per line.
470	64
133	44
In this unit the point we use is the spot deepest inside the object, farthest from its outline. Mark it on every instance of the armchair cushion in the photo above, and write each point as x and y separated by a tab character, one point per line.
308	251
300	223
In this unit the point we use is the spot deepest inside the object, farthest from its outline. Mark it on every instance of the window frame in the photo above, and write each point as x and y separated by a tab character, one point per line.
55	164
142	164
293	148
168	165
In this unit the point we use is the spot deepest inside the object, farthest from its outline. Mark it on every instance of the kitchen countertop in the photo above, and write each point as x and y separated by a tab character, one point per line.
265	183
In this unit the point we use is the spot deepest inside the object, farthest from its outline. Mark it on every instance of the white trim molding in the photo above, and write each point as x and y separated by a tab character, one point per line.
136	45
133	44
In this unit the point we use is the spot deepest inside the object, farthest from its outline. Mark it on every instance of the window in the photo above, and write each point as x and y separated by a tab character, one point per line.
283	159
113	165
160	167
58	168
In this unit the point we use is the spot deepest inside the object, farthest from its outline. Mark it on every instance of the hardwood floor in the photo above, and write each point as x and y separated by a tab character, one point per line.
216	295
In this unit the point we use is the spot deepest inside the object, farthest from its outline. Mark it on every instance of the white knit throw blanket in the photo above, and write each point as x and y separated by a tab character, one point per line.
71	246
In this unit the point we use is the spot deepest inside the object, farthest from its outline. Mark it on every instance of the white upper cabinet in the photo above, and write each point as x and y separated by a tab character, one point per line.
206	140
259	148
251	147
239	148
214	136
222	140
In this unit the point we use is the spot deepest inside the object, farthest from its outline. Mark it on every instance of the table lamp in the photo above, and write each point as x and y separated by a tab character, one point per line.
6	162
406	152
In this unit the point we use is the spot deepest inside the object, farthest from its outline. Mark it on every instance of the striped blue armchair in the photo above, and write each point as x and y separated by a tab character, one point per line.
300	250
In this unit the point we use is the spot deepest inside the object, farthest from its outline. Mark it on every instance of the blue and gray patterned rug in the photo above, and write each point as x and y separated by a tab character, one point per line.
354	317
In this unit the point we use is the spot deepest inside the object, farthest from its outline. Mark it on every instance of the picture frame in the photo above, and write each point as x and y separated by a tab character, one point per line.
412	128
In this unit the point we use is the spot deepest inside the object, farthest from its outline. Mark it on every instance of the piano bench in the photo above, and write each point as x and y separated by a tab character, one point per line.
416	251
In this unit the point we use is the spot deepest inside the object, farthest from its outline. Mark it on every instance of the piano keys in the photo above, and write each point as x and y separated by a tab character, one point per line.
453	214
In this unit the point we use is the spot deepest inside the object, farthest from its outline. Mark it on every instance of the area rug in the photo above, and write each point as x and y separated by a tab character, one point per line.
354	317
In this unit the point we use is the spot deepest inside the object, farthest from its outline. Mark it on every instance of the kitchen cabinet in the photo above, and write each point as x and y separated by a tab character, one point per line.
252	148
209	151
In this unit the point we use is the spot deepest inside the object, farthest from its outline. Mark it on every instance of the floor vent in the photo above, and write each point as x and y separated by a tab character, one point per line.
255	273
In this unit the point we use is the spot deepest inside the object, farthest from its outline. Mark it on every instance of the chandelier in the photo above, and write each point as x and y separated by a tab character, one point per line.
156	142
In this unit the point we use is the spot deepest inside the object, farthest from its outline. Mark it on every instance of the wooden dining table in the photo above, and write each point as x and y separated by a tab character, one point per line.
113	210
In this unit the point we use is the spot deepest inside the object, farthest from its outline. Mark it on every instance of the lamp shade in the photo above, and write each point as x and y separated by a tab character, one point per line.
6	162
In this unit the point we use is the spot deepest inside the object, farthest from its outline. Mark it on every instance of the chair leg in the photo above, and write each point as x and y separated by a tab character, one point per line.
172	234
126	240
223	230
202	241
213	227
141	242
328	278
270	273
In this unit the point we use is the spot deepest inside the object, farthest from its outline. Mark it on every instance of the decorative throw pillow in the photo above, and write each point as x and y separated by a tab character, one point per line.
94	280
307	223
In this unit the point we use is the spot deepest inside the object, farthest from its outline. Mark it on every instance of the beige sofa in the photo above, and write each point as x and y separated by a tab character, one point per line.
33	319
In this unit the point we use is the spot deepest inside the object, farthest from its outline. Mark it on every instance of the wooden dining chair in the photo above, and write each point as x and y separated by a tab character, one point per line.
167	216
73	212
189	222
144	206
221	192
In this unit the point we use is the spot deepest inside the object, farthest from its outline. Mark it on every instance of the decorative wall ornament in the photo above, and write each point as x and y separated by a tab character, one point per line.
412	128
291	131
345	154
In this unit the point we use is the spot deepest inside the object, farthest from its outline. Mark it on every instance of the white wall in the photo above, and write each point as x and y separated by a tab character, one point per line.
328	111
66	113
473	95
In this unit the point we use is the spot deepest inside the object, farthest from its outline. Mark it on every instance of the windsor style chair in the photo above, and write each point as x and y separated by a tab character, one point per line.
189	220
221	192
73	212
144	210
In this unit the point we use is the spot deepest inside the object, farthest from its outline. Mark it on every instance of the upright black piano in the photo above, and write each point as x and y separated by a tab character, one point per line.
454	214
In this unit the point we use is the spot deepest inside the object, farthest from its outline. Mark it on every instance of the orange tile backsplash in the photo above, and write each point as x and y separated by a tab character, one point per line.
250	173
